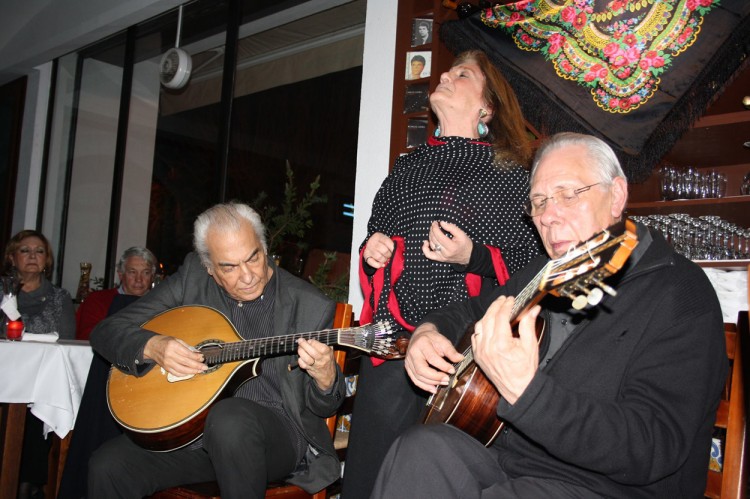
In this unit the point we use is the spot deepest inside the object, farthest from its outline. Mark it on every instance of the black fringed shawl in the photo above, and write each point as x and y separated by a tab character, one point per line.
691	75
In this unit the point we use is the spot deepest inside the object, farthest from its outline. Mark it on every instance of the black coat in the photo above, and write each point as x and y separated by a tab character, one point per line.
626	406
298	307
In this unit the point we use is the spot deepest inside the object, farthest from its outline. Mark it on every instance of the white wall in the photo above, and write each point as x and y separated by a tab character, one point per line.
373	145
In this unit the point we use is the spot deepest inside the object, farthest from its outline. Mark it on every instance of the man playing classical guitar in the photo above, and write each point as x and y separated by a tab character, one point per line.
272	428
616	400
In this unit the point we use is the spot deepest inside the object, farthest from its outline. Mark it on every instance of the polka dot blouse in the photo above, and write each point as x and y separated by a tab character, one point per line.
450	179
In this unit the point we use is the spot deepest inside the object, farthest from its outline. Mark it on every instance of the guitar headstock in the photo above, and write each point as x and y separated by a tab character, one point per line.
377	339
580	274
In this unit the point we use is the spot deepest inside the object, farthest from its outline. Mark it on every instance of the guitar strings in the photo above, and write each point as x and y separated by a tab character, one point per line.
220	353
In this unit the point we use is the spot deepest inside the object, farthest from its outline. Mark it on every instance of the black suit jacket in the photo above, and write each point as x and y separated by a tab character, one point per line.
299	307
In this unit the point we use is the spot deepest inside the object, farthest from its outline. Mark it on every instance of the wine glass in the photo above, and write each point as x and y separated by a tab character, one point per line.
745	187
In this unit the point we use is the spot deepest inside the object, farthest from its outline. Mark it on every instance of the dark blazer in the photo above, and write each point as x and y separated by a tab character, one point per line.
299	307
626	406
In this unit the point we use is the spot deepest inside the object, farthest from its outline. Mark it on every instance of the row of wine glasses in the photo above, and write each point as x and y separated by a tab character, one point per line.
707	237
690	183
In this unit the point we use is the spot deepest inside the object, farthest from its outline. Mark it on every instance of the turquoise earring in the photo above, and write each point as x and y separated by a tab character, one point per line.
436	133
482	128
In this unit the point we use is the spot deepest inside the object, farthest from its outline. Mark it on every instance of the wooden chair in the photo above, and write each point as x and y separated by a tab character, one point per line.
731	416
210	490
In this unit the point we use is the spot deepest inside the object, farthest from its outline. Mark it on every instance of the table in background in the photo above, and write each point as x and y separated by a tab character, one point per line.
47	377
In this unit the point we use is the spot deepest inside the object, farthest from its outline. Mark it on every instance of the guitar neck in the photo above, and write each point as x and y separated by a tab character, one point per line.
266	347
529	296
375	339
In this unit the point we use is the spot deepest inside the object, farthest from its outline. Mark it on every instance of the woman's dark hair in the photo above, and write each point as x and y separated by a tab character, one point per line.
507	127
15	243
418	58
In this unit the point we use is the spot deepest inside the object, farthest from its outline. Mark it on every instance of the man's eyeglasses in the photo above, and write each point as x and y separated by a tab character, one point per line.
535	206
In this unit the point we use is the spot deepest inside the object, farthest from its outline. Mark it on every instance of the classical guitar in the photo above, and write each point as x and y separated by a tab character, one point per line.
469	401
162	413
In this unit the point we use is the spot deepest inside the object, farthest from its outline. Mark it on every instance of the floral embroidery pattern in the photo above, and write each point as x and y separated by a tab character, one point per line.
616	48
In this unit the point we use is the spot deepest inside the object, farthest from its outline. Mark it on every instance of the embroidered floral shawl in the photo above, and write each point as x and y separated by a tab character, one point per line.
635	72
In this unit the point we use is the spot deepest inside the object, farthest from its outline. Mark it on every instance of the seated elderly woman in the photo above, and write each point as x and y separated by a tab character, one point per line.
44	309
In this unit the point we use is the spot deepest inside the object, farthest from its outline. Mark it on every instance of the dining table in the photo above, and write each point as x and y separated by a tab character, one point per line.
48	376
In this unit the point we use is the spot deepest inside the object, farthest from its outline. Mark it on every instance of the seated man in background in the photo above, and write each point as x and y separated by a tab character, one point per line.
617	400
273	427
135	270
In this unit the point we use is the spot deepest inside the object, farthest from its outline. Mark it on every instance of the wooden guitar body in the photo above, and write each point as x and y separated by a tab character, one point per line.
469	401
167	415
161	413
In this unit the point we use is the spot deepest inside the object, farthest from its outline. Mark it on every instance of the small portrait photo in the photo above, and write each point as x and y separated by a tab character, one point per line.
418	65
421	32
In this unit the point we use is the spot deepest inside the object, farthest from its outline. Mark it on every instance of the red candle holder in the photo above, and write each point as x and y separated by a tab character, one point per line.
14	330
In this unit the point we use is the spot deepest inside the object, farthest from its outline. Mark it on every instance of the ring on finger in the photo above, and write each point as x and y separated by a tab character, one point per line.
313	363
437	247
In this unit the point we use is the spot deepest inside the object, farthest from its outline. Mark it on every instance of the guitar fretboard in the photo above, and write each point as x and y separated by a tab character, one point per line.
249	349
372	338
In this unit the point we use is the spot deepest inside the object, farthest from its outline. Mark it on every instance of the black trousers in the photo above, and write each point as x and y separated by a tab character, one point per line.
245	445
440	461
387	403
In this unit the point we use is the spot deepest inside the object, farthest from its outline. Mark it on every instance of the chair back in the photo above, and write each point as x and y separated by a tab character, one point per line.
731	418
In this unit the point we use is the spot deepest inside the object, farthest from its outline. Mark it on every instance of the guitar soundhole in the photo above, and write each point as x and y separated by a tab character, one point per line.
211	350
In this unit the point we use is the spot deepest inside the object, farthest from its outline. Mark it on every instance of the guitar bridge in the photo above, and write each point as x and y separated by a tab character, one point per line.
174	379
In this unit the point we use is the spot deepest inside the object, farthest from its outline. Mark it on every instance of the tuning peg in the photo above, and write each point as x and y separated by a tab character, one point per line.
595	296
579	302
607	289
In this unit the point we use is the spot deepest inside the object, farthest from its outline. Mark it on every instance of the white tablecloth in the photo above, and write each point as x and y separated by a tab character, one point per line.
50	377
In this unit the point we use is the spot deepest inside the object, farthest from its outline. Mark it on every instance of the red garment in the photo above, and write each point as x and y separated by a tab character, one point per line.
93	309
374	291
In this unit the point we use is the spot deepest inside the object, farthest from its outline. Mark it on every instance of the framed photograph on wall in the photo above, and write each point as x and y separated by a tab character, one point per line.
416	98
418	64
421	32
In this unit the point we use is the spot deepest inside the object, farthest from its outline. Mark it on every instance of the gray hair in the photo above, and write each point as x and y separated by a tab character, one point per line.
140	252
225	217
601	157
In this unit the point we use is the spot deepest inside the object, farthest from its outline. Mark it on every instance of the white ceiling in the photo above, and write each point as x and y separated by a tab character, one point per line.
33	32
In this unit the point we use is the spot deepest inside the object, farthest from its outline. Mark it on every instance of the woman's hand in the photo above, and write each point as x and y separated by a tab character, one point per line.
317	359
378	250
440	247
509	363
430	357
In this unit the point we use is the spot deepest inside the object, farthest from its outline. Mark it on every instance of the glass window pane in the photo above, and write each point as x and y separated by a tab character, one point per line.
93	160
297	96
184	177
